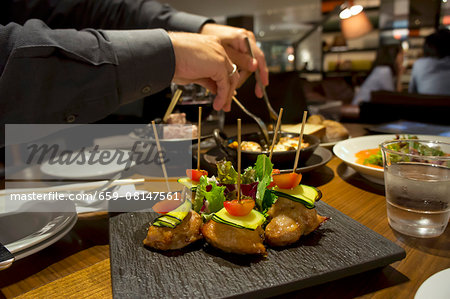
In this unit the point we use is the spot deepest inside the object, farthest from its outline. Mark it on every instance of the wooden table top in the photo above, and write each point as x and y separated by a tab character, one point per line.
78	265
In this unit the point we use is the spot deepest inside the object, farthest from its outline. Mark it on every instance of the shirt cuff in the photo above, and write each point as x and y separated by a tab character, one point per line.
186	22
146	62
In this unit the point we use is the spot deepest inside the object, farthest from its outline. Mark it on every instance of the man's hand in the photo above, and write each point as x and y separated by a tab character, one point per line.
233	40
201	59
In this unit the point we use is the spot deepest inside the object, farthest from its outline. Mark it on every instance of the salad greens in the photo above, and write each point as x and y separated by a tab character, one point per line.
249	176
409	146
226	173
209	196
214	197
263	169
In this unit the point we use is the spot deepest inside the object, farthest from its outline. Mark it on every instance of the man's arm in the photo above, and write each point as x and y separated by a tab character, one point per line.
66	75
101	14
82	76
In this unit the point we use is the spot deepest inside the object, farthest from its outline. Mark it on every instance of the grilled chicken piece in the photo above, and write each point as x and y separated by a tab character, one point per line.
165	238
233	239
289	221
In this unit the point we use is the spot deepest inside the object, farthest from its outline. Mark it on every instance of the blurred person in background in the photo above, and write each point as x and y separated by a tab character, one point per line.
431	73
79	60
385	74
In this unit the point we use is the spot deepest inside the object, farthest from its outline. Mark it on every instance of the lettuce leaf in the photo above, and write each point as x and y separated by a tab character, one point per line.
263	169
249	176
213	194
226	172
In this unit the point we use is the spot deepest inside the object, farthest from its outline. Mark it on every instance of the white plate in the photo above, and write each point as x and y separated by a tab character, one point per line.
346	150
436	286
27	231
86	170
46	243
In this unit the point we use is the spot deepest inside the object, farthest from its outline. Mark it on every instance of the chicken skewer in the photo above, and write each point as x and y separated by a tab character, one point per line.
166	233
233	239
289	220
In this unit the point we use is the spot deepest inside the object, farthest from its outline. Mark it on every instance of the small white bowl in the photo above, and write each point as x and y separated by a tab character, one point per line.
346	150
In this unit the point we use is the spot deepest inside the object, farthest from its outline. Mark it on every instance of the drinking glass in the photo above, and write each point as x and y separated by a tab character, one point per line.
417	182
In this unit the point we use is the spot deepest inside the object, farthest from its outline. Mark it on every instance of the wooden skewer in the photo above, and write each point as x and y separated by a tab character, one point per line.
297	155
275	134
173	102
161	158
239	161
199	137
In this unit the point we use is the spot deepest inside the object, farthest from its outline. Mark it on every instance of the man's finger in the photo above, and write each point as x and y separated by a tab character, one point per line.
208	84
243	60
243	76
223	87
258	91
234	80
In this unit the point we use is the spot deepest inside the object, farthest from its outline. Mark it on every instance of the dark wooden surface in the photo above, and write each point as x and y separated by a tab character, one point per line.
339	248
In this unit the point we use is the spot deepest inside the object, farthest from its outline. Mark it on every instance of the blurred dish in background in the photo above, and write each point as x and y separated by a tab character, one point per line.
346	151
328	131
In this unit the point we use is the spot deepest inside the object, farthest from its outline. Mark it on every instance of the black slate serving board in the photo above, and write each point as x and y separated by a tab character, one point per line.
339	248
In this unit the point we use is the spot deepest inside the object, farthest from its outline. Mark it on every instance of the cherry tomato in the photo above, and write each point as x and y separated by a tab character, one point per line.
242	208
196	174
165	206
287	180
272	184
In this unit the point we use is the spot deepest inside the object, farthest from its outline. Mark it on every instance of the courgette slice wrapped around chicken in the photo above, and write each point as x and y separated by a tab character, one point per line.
175	229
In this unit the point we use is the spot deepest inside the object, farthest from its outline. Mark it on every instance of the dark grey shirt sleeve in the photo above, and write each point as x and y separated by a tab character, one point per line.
53	75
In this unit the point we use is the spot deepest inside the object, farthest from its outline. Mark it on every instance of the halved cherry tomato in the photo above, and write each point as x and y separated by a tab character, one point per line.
196	174
272	184
287	180
236	208
165	206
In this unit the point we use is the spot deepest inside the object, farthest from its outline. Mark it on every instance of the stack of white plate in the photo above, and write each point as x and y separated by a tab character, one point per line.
29	230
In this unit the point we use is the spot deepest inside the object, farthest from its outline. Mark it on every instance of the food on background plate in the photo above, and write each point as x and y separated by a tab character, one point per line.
239	226
315	119
177	119
250	146
334	131
370	157
176	127
373	157
284	144
179	127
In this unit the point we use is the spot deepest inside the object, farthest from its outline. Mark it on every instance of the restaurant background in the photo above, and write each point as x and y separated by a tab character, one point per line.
326	70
